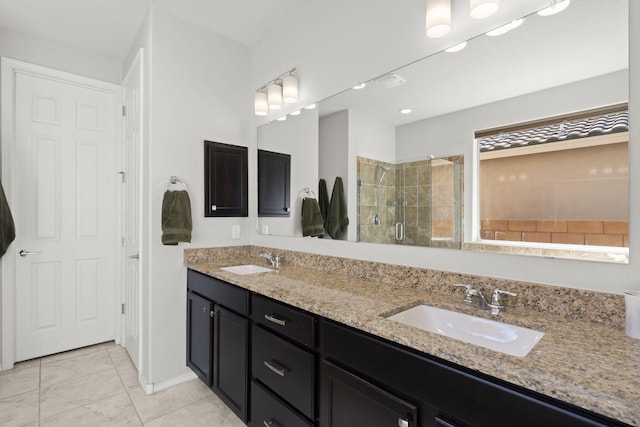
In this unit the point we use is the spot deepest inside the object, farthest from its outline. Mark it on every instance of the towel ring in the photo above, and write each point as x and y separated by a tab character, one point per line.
174	180
307	192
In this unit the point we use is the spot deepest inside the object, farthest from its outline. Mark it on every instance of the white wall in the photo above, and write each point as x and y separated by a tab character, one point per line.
198	88
37	51
453	134
298	137
351	57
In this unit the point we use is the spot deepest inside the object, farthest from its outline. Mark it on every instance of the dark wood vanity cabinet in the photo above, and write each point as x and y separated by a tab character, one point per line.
443	394
218	338
274	182
307	371
283	364
226	188
348	400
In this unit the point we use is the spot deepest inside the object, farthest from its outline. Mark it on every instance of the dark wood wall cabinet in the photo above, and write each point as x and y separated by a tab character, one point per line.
308	371
226	190
274	184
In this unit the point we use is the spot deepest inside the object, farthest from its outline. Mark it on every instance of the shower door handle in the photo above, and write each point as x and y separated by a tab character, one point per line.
399	231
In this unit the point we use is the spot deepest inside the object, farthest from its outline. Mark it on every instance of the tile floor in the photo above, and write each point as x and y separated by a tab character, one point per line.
98	386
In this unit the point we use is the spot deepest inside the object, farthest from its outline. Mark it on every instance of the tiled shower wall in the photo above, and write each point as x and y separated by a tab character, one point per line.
424	196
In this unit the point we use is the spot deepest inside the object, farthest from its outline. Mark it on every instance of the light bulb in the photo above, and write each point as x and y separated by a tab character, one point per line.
290	88
438	18
260	104
274	95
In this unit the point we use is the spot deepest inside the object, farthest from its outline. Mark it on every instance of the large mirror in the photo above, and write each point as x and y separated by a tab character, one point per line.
548	66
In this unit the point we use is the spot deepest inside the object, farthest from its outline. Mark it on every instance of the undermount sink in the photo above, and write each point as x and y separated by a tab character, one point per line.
491	334
247	269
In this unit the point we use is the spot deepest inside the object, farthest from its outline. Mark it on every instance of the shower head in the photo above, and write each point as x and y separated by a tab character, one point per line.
384	171
384	168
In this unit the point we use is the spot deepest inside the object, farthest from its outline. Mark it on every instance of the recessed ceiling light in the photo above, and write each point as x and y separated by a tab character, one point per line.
310	107
456	48
405	111
295	113
505	28
481	9
360	86
554	7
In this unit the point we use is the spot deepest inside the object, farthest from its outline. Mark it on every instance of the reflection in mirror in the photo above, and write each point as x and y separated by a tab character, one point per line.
415	202
549	66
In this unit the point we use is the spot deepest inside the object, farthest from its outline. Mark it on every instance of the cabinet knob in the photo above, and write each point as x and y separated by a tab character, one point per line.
403	423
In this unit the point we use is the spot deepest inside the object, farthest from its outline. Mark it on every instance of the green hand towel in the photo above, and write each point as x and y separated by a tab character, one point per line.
323	200
176	217
311	218
337	219
7	226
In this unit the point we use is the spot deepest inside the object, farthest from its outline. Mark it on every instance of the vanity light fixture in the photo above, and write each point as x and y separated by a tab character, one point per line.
556	6
483	8
271	95
290	88
260	104
505	28
456	48
274	94
438	18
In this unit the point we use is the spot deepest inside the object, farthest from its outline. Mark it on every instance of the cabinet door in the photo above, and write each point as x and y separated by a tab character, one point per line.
199	328
225	180
347	400
274	177
230	366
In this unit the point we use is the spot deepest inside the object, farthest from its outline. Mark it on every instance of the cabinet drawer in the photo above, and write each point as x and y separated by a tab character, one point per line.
284	368
286	320
223	293
266	409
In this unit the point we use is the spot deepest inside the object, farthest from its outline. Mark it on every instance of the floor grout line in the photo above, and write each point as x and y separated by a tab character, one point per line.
126	388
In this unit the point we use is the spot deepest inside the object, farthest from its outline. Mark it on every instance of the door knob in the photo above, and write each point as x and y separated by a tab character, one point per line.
23	253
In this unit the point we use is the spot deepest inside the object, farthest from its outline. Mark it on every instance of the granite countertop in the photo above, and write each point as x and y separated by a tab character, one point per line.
592	366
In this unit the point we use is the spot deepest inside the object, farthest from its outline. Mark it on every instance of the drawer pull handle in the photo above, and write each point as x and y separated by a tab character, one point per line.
278	370
275	319
270	423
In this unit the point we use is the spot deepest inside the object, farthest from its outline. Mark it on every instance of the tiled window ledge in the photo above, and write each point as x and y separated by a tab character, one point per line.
594	253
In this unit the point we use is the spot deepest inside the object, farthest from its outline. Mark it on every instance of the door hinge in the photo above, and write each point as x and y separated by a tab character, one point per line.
122	308
124	111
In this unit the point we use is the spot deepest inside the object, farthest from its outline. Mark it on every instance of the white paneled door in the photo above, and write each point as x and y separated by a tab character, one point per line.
132	86
64	210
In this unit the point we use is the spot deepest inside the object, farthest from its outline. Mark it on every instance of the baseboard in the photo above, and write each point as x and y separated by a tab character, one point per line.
155	387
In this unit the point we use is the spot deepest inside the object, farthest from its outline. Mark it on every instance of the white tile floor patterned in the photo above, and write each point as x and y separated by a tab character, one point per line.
97	386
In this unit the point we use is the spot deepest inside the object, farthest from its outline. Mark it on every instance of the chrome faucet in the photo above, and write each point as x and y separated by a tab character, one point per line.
273	259
494	306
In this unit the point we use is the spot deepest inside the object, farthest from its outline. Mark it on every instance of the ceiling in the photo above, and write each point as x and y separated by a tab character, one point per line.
588	39
108	27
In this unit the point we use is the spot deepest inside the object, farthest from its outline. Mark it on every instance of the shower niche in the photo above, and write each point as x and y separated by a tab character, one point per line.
413	202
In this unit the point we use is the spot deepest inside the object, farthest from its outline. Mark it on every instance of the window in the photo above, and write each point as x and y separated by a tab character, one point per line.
564	180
